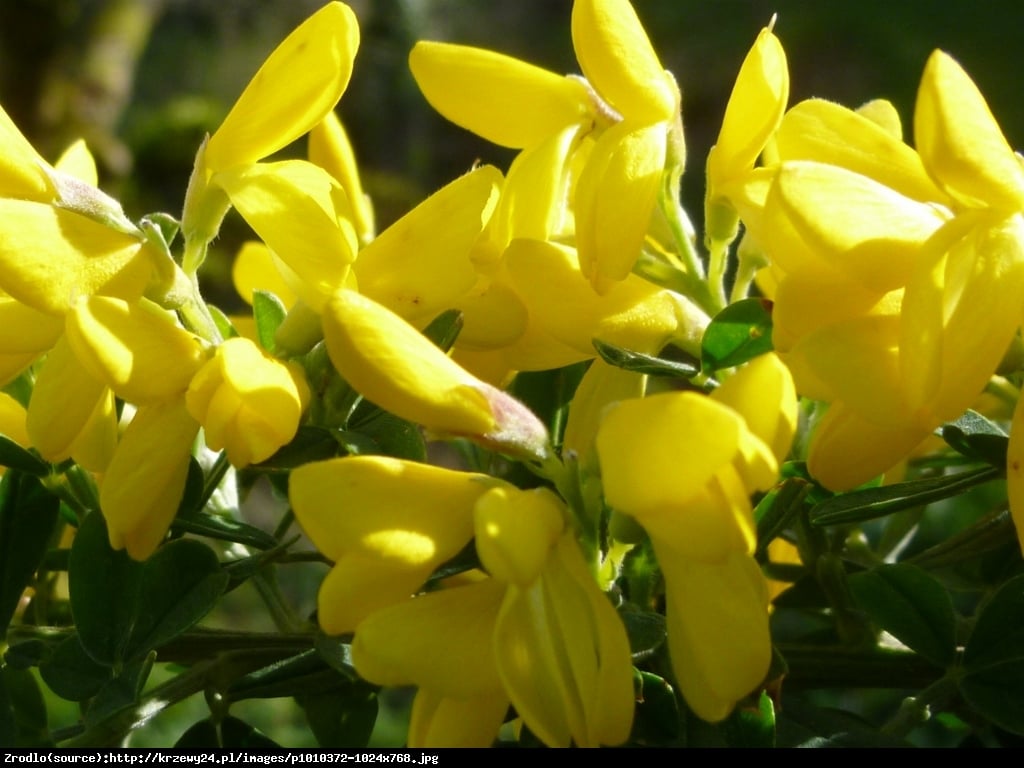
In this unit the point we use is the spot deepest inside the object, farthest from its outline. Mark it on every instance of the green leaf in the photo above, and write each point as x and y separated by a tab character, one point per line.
23	718
179	585
911	606
779	508
231	732
103	586
222	322
752	726
870	503
444	329
28	514
124	609
224	529
976	437
120	693
341	718
307	672
657	713
269	312
993	683
71	673
646	631
638	362
391	435
738	333
14	456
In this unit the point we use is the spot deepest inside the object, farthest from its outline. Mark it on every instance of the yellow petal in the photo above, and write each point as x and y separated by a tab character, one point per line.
847	450
441	642
94	447
632	312
248	403
601	385
615	198
145	480
398	519
439	722
515	530
54	256
826	132
754	110
330	148
502	99
297	210
564	657
254	269
63	399
829	220
296	86
77	161
22	169
12	420
23	329
617	58
394	365
762	392
960	141
662	451
883	113
718	637
419	266
137	350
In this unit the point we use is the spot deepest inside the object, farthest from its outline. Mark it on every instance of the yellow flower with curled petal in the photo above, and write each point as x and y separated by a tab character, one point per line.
898	270
624	120
248	403
684	466
538	634
298	84
402	520
393	365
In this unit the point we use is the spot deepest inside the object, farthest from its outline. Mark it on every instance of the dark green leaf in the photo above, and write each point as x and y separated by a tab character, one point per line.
343	717
306	672
997	692
738	333
779	508
444	329
337	652
28	514
23	718
179	584
231	732
976	437
640	363
120	693
224	529
752	726
71	673
801	724
646	631
392	436
870	503
657	714
103	586
14	456
268	311
548	394
911	606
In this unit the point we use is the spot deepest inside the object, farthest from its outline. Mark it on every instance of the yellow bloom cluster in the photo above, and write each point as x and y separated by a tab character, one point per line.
893	272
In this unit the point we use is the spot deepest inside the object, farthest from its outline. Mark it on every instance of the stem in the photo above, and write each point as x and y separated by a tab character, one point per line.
817	667
917	710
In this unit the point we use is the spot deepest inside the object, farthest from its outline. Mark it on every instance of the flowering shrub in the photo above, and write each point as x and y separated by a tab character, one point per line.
576	476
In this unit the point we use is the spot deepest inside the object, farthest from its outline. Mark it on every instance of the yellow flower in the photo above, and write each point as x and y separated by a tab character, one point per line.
400	521
393	365
538	634
684	466
623	121
248	403
294	89
898	271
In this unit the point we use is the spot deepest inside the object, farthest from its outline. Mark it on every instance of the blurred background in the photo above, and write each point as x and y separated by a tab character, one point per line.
144	80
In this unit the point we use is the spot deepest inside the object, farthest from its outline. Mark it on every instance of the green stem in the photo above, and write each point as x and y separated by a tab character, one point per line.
917	710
